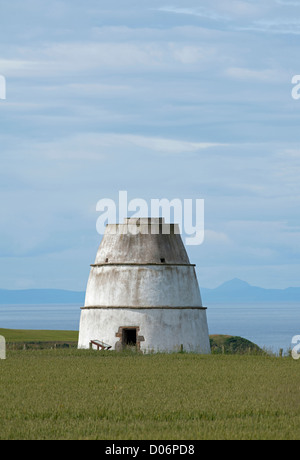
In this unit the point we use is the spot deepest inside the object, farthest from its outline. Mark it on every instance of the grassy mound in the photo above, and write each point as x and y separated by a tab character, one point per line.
232	344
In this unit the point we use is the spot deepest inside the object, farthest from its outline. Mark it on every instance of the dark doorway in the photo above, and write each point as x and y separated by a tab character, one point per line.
129	337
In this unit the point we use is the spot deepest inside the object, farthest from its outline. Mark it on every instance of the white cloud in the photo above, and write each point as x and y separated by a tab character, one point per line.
15	67
196	11
267	75
287	3
96	147
268	16
63	59
286	26
215	237
241	9
290	153
166	145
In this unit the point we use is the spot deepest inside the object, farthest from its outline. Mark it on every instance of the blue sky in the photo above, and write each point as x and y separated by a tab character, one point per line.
164	100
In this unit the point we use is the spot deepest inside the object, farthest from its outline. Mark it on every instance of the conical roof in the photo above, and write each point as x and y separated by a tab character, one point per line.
142	241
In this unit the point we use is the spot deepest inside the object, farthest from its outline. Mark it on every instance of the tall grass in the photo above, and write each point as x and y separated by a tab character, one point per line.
85	394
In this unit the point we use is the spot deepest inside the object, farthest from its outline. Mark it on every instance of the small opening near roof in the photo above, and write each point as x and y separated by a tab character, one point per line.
106	260
163	260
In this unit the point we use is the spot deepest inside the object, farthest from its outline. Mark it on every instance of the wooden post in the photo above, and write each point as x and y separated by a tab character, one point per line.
281	352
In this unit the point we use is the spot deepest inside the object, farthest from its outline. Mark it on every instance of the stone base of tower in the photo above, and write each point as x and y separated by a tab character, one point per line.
148	329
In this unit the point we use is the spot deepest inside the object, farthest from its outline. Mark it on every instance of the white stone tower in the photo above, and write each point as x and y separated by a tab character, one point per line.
143	291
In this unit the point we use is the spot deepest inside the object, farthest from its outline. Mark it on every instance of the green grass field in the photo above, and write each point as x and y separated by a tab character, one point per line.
85	394
26	335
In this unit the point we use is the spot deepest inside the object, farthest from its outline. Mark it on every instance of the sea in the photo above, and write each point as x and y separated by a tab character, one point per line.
270	325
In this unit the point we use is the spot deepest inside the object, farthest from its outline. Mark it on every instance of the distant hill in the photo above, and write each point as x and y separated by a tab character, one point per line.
233	344
232	291
40	296
237	290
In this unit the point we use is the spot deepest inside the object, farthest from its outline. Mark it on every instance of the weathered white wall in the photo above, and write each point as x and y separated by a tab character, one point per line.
136	285
163	329
142	270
